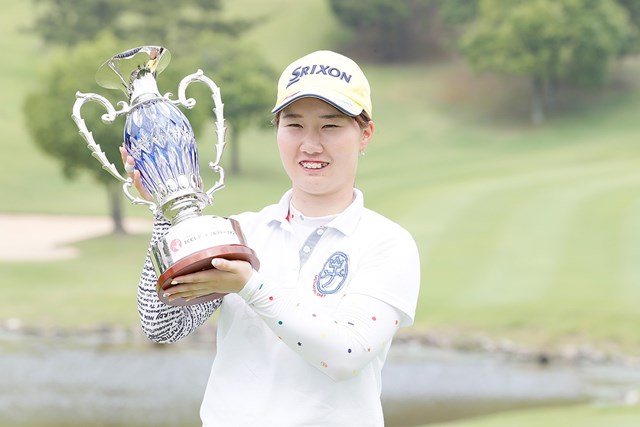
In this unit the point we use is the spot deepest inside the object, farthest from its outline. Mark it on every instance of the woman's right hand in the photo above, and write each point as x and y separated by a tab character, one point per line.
134	174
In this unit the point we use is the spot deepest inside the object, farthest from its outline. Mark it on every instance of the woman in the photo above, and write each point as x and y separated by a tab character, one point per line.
303	341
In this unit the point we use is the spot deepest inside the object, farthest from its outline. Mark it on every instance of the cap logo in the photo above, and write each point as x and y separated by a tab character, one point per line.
327	70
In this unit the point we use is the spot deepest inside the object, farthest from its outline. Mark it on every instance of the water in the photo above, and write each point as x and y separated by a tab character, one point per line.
51	382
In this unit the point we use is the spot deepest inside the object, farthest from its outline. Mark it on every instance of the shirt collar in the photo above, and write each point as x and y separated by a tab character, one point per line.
345	222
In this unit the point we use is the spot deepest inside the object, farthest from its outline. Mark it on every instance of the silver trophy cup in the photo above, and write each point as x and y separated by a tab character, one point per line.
161	141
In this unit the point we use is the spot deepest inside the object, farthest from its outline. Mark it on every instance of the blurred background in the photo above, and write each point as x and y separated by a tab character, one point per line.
507	142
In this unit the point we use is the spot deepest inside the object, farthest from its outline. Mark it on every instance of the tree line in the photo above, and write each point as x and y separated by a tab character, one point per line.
549	42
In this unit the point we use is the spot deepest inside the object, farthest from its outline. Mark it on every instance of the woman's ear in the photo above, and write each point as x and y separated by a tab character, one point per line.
367	135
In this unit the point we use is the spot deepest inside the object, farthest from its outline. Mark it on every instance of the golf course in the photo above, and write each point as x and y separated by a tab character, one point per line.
529	235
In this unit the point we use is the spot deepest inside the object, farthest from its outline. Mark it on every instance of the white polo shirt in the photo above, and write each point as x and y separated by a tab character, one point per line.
304	342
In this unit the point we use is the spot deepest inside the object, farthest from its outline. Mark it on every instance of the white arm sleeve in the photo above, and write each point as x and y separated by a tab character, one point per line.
339	344
160	322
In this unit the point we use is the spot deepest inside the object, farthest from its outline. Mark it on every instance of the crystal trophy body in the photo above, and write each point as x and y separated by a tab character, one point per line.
162	143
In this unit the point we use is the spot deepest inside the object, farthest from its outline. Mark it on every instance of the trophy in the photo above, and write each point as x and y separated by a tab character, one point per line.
161	141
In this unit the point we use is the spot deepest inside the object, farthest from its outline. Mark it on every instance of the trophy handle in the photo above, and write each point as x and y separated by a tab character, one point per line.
218	110
96	150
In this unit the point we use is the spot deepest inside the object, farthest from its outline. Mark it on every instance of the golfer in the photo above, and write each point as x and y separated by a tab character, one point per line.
303	341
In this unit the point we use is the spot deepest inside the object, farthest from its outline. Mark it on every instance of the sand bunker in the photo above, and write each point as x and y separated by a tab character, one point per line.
49	237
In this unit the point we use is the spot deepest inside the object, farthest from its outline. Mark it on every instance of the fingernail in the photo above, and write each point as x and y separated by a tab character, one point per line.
215	262
174	282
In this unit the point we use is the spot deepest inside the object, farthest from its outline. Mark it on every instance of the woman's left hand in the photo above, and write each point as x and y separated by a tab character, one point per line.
226	277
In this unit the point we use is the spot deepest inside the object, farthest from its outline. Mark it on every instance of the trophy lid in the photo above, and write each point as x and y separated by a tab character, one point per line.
120	70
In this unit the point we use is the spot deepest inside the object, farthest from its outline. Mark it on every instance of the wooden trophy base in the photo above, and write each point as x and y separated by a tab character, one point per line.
200	261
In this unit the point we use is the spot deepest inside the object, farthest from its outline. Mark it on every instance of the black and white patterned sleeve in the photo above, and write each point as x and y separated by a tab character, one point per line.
160	322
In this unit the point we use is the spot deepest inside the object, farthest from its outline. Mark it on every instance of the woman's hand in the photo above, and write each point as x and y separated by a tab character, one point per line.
226	277
134	174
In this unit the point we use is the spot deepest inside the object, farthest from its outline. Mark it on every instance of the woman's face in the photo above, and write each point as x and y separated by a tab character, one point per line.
319	148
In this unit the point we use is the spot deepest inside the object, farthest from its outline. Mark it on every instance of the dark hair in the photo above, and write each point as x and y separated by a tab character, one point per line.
361	119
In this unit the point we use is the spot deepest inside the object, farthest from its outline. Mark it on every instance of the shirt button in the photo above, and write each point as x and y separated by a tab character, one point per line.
320	231
306	249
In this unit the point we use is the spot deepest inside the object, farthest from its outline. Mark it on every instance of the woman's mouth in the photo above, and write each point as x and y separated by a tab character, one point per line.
314	165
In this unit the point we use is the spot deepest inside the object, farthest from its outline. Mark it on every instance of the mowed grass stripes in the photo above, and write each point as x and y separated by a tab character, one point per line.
553	247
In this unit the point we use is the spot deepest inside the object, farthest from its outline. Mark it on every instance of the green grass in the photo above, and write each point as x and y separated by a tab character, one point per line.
528	233
583	416
97	289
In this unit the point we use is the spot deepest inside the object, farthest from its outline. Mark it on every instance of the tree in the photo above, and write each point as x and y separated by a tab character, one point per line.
193	30
48	118
632	46
70	22
547	41
248	89
457	12
455	16
392	30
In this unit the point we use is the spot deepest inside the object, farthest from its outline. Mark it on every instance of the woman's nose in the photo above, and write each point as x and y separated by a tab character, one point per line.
311	143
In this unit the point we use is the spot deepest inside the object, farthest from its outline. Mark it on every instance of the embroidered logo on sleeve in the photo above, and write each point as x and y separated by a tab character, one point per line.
333	274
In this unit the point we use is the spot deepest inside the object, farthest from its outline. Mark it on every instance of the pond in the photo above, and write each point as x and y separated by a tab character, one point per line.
67	381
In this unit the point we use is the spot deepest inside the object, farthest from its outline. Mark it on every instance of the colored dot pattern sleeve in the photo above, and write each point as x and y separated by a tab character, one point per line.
338	344
164	323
